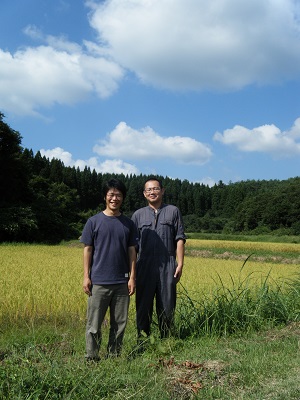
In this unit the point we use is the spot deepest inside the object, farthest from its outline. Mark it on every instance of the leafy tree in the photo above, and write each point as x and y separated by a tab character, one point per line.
15	214
41	166
13	171
43	200
56	170
56	208
17	224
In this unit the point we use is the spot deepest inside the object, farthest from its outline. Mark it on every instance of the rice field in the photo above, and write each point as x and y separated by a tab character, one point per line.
41	281
45	360
206	274
45	282
247	246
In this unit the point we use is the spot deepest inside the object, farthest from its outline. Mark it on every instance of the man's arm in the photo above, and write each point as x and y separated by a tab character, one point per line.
87	260
180	259
132	268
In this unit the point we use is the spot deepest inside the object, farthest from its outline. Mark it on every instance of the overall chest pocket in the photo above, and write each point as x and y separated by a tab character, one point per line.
166	224
144	225
166	230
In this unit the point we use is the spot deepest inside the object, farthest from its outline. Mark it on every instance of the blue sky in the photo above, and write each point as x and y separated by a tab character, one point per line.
197	90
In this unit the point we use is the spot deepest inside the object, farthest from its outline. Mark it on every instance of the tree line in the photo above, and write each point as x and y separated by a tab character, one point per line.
44	201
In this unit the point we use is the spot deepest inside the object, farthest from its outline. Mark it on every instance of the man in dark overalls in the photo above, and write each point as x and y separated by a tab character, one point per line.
160	259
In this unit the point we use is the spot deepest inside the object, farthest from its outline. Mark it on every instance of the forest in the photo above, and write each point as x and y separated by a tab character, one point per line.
44	201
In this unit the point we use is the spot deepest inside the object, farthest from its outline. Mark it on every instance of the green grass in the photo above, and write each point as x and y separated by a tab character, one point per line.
239	342
46	363
239	345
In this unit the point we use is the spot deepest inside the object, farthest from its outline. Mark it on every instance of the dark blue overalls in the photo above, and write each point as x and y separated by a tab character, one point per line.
158	235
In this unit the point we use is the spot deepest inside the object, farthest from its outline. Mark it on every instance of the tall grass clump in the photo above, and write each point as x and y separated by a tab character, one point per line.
241	308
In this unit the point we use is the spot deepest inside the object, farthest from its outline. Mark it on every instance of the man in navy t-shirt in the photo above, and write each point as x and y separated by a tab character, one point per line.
109	262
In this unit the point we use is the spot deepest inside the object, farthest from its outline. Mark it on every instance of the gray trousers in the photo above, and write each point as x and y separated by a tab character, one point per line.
116	298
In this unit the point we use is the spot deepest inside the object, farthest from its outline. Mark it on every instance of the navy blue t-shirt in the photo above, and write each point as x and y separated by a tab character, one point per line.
110	238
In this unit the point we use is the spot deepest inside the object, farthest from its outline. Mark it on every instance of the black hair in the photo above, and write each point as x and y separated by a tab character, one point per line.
114	184
153	178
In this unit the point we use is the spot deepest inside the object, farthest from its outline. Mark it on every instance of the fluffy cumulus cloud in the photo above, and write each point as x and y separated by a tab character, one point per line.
59	154
57	72
200	44
108	166
128	143
124	144
118	167
174	44
208	181
264	139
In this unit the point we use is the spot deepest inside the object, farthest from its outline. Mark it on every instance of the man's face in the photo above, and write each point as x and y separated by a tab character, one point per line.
114	199
153	193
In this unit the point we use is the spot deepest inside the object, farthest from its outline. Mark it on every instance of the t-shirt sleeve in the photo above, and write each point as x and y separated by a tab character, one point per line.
87	234
133	236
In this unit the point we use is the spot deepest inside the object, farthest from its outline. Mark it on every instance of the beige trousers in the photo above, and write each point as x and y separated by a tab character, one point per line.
104	297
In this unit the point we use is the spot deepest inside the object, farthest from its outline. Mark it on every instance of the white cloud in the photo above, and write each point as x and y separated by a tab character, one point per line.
128	143
118	167
108	166
207	181
264	139
200	44
59	154
179	45
294	132
58	72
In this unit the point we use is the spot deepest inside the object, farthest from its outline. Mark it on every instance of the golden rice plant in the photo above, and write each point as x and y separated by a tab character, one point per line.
45	282
41	282
247	246
203	275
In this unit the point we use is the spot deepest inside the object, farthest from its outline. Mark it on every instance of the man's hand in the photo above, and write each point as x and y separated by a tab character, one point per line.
87	284
131	286
178	274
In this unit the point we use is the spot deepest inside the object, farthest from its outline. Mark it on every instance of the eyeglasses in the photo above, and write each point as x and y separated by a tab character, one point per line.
112	195
153	189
